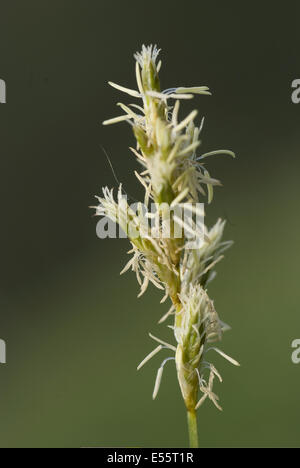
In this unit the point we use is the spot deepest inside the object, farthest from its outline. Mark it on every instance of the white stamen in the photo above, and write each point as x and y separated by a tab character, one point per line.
201	125
138	78
194	90
189	148
127	266
137	154
138	107
180	197
212	153
157	382
141	180
225	356
128	111
165	297
211	265
164	317
201	401
175	114
159	376
186	121
149	356
144	286
215	371
131	92
162	342
121	118
175	148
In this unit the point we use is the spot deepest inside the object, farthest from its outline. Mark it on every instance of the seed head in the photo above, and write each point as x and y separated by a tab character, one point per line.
173	174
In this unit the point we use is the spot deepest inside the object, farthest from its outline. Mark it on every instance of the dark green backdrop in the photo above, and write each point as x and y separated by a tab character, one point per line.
74	328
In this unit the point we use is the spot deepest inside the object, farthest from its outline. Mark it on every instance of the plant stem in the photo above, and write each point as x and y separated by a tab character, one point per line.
193	430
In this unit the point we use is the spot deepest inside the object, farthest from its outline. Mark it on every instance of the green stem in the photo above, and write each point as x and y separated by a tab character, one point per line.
193	430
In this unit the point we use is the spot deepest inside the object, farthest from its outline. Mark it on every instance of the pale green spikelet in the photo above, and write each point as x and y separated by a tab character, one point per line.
175	175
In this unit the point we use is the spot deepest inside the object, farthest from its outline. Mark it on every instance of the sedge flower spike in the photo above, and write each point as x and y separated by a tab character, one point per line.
175	175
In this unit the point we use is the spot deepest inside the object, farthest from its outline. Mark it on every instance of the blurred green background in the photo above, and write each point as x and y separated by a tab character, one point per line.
74	328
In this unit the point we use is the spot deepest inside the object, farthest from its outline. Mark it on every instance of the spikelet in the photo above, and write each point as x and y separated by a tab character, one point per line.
173	175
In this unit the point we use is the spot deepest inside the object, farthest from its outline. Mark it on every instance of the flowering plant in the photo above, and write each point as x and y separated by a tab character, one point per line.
174	177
